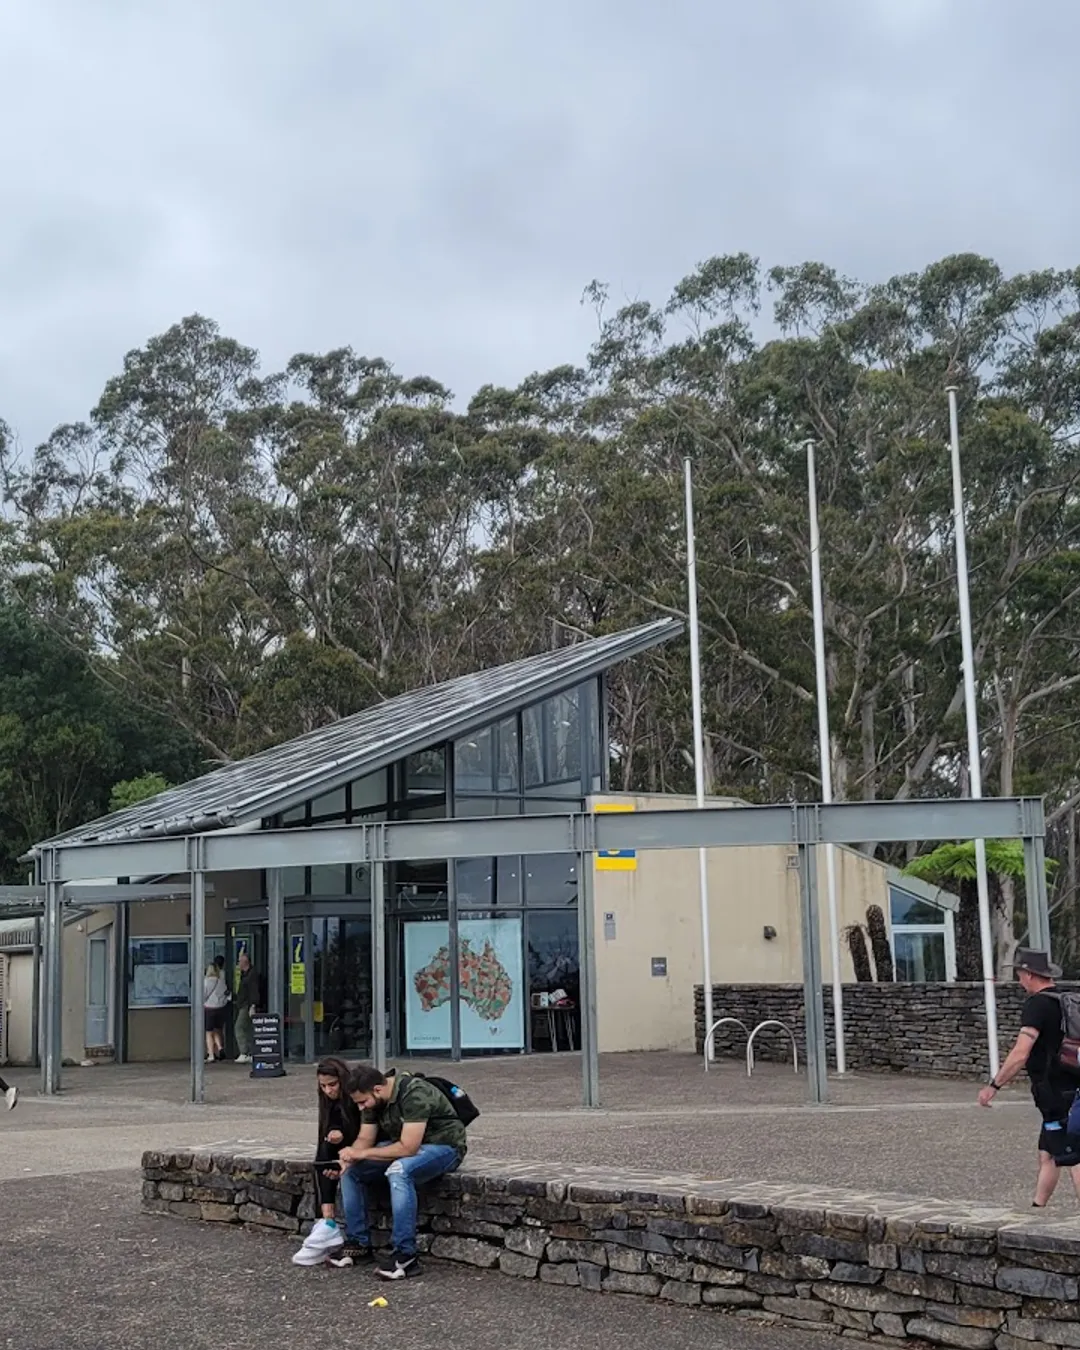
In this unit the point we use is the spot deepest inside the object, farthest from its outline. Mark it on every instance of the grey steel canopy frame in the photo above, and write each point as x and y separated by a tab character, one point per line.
583	832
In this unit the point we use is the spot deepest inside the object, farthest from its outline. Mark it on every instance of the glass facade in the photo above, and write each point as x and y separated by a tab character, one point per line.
515	918
922	939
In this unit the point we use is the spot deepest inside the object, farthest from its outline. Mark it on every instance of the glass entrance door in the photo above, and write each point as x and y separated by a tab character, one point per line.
250	937
341	985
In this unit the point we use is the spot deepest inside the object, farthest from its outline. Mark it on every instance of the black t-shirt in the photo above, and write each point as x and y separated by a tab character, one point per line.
1043	1013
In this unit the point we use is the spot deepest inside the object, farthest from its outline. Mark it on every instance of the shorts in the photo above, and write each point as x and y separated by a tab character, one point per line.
1053	1104
214	1018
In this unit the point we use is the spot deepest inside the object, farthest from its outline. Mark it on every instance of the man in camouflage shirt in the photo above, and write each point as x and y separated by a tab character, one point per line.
409	1134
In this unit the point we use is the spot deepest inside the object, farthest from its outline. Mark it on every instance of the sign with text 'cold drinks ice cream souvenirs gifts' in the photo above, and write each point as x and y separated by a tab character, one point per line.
492	996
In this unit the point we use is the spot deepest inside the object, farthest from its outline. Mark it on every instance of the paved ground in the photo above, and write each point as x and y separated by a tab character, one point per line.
81	1268
897	1133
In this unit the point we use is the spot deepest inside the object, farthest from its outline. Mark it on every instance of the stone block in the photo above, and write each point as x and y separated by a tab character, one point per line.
184	1209
671	1267
728	1279
977	1297
268	1197
921	1286
1061	1263
513	1263
628	1259
214	1213
959	1315
150	1190
643	1241
617	1282
551	1211
856	1321
468	1226
846	1273
590	1276
559	1274
530	1242
218	1195
829	1249
571	1232
890	1325
730	1298
884	1255
981	1270
594	1252
1037	1283
1048	1333
798	1309
719	1254
268	1218
468	1251
861	1299
1052	1308
790	1267
170	1190
770	1284
939	1333
678	1291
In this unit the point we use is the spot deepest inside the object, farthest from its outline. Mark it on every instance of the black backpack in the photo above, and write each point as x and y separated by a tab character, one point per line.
464	1106
1068	1056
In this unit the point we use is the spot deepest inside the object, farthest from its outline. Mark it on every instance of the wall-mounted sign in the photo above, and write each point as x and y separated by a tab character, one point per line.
267	1059
297	969
659	967
490	972
616	860
609	926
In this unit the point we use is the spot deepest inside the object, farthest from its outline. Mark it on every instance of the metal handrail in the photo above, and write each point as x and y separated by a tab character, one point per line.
770	1022
710	1038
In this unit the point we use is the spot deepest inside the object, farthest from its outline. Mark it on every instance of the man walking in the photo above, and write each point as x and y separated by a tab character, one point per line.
409	1134
1036	1050
247	998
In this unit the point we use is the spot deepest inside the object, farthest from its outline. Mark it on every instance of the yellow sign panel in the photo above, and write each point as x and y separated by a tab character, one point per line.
616	860
297	982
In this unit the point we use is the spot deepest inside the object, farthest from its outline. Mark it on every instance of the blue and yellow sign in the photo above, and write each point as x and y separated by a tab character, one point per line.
616	860
298	972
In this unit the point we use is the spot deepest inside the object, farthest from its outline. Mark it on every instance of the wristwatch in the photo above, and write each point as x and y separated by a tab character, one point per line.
995	1086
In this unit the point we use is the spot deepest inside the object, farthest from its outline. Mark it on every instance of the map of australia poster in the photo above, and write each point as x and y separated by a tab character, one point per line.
492	997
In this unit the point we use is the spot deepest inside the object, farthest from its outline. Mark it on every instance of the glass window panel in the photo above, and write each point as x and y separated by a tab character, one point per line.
330	880
553	970
475	882
532	746
370	792
476	806
507	775
906	908
920	957
474	761
425	772
562	738
551	879
331	804
296	816
294	880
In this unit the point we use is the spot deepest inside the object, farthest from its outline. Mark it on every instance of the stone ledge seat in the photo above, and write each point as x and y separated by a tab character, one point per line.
893	1268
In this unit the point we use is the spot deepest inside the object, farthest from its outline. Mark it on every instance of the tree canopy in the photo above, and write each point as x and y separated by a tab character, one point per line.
249	553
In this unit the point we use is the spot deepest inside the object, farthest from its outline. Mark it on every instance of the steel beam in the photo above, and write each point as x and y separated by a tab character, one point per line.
378	965
195	970
587	1001
275	939
813	1002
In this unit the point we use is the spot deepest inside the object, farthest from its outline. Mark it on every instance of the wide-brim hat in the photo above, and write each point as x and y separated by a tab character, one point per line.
1035	963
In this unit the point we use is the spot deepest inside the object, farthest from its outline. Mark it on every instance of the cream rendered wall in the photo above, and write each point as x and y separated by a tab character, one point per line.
20	997
656	912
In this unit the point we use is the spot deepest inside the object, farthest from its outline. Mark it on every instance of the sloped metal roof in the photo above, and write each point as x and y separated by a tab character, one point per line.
285	775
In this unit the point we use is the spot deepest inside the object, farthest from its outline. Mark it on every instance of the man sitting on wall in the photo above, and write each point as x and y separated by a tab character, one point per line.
409	1134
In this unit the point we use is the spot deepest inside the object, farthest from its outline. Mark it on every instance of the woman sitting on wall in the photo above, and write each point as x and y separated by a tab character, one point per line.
339	1124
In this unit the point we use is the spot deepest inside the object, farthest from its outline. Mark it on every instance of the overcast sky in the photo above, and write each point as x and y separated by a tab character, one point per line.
435	181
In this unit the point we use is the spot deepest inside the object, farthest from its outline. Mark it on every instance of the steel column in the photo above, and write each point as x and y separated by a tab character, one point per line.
378	964
196	968
121	928
35	1014
816	1063
590	1057
275	943
309	990
53	1053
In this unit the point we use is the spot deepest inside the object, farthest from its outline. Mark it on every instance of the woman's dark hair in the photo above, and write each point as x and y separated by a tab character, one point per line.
331	1067
364	1078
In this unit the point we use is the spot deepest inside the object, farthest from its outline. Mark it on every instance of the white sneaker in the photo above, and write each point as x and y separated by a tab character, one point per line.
11	1096
209	1059
243	1059
324	1235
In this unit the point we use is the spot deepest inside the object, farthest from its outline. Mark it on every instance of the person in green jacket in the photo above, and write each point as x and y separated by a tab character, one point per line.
247	999
409	1134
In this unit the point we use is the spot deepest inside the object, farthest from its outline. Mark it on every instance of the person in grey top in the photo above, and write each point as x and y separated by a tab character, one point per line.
247	998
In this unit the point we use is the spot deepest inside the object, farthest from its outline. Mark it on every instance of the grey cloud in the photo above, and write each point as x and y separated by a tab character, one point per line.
437	182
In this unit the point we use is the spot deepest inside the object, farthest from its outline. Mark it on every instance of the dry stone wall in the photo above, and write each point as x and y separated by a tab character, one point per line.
884	1267
938	1030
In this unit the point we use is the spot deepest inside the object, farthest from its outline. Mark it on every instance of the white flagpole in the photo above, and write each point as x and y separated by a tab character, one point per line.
974	754
825	756
699	751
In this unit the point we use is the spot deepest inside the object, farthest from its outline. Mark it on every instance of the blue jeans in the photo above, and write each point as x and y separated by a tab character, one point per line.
404	1175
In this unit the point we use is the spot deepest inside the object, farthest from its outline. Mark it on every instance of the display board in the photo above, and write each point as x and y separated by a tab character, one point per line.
492	992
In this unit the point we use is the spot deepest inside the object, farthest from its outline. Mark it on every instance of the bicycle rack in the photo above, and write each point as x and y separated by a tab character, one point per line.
771	1022
710	1038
